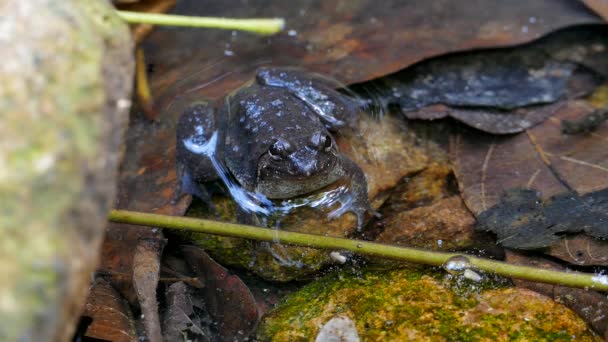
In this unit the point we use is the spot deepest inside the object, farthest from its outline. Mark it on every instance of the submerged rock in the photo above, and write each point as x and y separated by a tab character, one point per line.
414	305
383	149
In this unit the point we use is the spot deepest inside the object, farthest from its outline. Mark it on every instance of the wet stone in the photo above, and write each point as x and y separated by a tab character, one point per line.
414	305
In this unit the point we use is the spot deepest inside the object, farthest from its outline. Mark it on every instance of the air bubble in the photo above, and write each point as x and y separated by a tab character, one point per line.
457	265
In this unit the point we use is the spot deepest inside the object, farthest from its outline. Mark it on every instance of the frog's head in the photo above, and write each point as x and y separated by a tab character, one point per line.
298	164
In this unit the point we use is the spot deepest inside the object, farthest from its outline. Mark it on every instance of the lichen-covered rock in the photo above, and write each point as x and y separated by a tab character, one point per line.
66	75
385	151
414	305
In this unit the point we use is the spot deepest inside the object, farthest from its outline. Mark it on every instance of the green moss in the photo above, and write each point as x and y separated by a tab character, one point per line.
413	304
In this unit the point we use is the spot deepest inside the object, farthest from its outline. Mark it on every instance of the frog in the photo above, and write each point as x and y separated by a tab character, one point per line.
275	138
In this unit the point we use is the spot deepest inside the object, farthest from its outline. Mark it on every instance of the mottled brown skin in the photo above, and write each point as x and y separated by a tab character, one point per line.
275	138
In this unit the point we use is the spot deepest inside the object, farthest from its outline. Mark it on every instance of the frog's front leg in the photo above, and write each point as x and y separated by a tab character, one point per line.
335	109
197	142
356	199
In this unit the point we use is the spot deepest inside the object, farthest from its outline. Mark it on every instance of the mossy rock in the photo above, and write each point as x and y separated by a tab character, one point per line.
67	74
415	305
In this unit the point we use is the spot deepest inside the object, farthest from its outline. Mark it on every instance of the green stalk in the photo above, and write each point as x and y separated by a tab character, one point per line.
572	279
260	26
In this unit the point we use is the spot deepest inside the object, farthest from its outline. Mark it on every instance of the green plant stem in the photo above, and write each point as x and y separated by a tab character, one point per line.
260	26
572	279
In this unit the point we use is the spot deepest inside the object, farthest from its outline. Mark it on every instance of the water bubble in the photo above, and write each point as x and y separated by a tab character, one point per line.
457	264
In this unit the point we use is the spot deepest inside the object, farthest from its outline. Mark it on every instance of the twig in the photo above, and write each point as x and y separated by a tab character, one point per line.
572	279
260	26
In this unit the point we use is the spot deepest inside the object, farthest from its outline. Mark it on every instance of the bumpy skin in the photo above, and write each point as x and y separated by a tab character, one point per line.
274	137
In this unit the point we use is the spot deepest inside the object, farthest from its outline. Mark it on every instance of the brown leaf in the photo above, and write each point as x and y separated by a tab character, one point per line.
356	41
185	318
227	298
598	6
590	305
499	91
580	161
488	120
543	159
486	166
581	250
111	317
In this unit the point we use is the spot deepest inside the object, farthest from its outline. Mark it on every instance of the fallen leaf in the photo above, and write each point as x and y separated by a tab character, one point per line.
598	6
354	41
522	220
227	298
111	317
501	90
544	160
185	317
581	250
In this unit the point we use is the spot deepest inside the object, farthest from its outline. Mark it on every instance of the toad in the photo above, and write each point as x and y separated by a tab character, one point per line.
272	140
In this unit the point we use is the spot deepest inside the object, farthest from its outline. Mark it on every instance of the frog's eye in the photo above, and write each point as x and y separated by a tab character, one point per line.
279	150
321	141
327	143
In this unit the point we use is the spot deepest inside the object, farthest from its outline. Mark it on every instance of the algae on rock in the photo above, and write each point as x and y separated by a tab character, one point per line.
416	305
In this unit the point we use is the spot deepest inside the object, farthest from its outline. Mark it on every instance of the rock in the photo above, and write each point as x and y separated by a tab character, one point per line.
446	224
64	97
415	305
386	152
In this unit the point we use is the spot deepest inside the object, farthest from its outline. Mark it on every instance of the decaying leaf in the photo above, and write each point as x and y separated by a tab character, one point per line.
522	220
227	298
185	317
111	318
598	6
581	250
354	41
502	90
543	160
